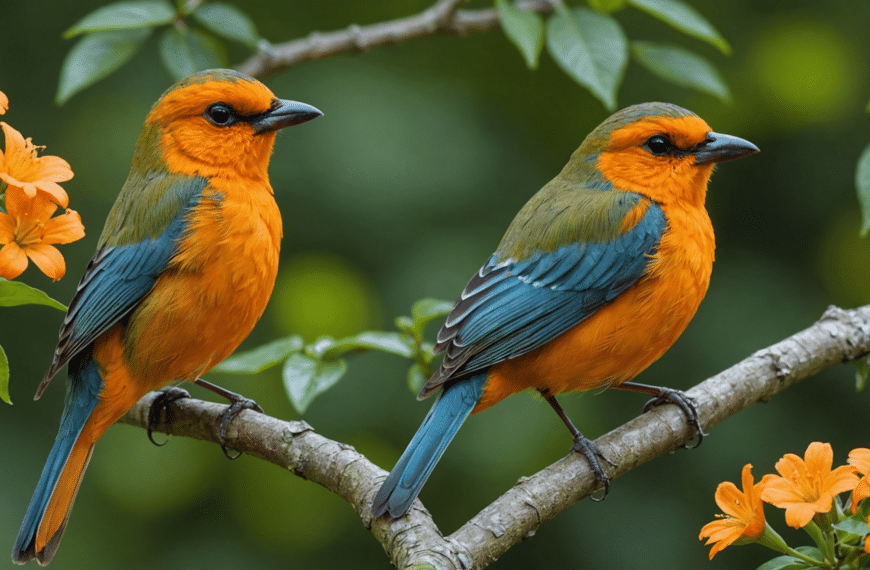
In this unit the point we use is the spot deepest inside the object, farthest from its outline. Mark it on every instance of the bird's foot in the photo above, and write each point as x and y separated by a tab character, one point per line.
237	404
164	398
686	404
591	452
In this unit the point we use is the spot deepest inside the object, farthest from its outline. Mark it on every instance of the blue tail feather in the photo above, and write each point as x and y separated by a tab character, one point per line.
82	397
426	448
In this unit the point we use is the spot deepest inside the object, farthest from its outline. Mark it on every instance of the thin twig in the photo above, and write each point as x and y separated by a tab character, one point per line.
441	18
839	336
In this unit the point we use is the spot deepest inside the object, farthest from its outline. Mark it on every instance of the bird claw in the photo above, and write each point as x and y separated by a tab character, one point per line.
164	398
686	404
237	404
591	452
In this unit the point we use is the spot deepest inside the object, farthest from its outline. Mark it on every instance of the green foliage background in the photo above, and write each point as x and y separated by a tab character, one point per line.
401	191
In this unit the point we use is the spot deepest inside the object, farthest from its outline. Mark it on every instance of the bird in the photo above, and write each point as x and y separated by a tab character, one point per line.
183	270
596	277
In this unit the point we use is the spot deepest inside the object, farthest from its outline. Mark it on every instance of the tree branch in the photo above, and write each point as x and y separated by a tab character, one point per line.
441	18
839	336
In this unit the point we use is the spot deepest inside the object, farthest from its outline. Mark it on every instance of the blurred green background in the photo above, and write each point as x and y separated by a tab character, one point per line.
401	191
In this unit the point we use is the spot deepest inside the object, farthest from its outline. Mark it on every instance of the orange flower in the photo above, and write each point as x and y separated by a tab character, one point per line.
28	230
4	103
744	513
808	485
860	458
19	166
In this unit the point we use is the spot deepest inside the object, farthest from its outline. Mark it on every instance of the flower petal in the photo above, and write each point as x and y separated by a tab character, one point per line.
65	228
861	491
4	103
48	259
57	194
13	261
819	457
860	458
797	515
7	228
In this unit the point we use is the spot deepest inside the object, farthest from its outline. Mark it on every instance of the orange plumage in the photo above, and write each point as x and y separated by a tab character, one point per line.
184	268
595	279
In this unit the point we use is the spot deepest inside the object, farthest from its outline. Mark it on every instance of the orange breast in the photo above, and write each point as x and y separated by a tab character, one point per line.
215	288
621	339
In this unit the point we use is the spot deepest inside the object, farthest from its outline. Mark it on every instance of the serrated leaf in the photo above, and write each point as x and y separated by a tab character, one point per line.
124	16
783	563
524	28
4	377
96	56
591	48
261	358
682	67
862	182
305	378
13	294
227	21
190	51
416	378
684	18
391	342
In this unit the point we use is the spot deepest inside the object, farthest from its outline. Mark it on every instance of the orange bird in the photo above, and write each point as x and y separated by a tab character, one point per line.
595	279
183	270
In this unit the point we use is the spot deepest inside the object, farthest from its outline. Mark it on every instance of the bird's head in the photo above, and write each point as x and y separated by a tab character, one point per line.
216	120
660	150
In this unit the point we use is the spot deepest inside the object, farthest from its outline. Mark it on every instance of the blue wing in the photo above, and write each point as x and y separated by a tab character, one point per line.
514	307
115	281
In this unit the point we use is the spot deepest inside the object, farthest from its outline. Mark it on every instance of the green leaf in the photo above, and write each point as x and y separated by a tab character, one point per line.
391	342
427	310
13	293
261	358
682	67
96	56
854	526
684	18
228	21
190	51
416	378
124	16
607	6
812	551
524	28
305	378
4	377
591	48
861	373
783	563
862	181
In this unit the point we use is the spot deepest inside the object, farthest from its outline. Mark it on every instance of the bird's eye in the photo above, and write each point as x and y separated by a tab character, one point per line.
220	114
658	145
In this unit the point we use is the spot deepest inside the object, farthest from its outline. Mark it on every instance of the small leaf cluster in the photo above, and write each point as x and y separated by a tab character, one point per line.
309	370
591	47
190	39
13	294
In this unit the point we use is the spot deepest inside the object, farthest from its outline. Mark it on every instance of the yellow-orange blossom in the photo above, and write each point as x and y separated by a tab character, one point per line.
28	230
744	513
807	486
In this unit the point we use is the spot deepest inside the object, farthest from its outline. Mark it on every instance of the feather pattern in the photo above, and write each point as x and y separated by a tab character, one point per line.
118	278
513	307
